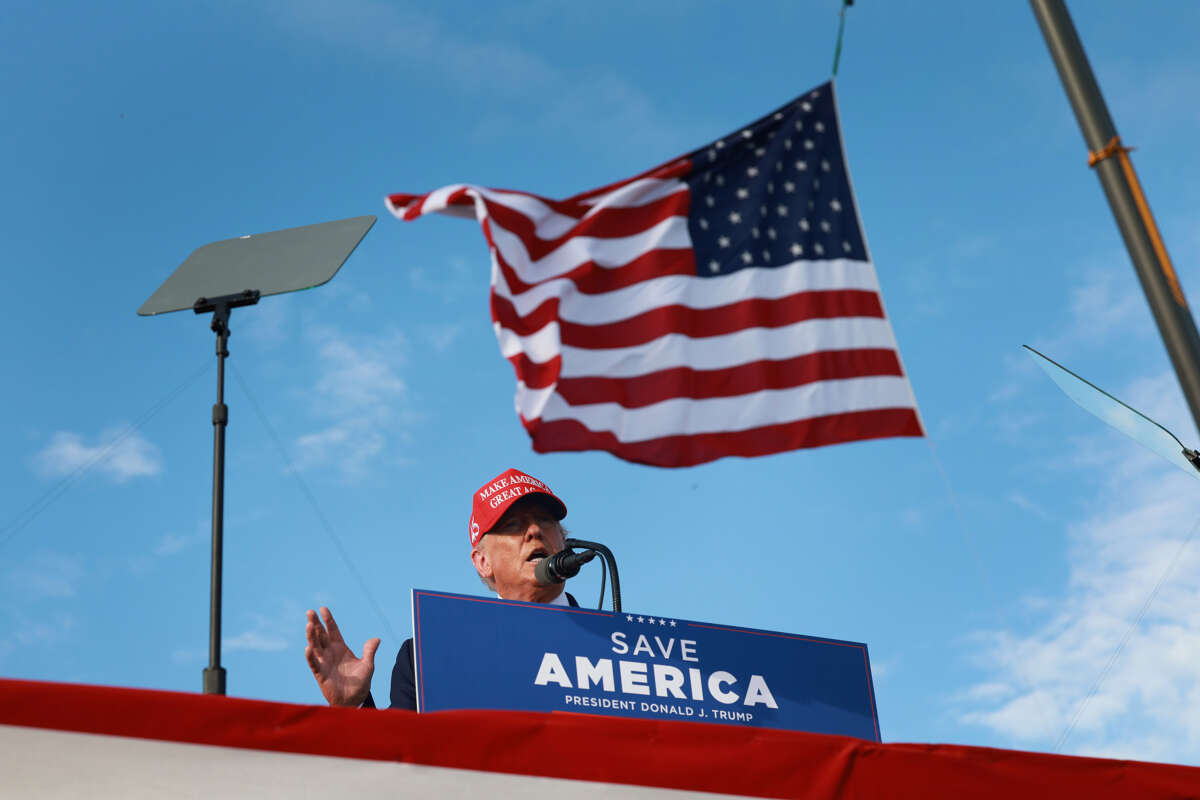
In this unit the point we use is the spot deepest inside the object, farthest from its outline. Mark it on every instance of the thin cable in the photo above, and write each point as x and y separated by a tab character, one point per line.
603	575
1062	740
312	501
48	498
837	51
967	537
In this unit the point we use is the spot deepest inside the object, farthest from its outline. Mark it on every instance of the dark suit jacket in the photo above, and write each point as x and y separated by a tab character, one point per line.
404	687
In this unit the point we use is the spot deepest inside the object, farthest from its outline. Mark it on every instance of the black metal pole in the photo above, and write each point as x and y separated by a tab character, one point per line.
583	544
1124	192
214	675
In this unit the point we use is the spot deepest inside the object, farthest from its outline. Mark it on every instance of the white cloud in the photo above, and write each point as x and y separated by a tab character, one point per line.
1107	305
524	91
352	445
262	636
442	337
21	632
360	397
44	575
456	279
255	641
1143	701
119	453
363	375
172	543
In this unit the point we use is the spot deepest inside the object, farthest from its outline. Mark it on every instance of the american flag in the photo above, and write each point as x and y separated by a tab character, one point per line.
721	304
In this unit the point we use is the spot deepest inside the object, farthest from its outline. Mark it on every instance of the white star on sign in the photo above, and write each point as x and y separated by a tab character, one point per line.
825	226
712	154
641	619
770	187
788	186
752	171
723	241
742	193
778	116
746	257
820	126
714	265
824	165
808	144
672	623
802	165
796	249
703	223
820	250
746	134
816	184
787	144
835	204
735	217
781	210
710	201
806	106
767	256
651	620
629	617
771	233
719	145
762	210
799	125
754	232
804	224
760	152
662	621
720	180
846	246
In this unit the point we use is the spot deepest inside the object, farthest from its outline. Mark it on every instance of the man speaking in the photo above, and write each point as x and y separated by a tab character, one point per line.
514	525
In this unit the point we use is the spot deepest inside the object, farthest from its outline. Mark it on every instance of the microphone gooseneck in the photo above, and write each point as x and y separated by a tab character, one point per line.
560	566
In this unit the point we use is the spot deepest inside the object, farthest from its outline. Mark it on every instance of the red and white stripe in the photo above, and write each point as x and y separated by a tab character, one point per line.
618	345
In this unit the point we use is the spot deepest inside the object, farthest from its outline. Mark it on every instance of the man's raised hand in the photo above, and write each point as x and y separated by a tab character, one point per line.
345	679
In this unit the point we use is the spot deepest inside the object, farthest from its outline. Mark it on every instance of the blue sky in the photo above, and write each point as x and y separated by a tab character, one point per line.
992	570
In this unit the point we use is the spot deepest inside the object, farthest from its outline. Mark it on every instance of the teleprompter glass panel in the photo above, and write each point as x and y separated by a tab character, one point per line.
272	263
1101	404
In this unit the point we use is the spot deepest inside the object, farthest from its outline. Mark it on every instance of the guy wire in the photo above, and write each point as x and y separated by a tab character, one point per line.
51	495
312	501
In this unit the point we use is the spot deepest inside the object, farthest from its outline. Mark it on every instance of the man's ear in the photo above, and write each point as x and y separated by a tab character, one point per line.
483	564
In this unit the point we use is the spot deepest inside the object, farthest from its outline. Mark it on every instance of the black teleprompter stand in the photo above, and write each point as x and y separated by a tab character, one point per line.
276	263
214	674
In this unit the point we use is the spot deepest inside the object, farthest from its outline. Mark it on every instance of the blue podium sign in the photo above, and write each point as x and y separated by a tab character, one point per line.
478	652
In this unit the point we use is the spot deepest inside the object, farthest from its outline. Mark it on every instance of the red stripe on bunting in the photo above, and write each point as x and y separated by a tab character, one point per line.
690	756
757	376
688	450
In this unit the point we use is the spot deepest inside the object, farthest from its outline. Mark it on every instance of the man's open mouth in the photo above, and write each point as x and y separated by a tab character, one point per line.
538	555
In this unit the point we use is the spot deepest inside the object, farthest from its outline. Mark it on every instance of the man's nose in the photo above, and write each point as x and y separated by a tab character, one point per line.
534	527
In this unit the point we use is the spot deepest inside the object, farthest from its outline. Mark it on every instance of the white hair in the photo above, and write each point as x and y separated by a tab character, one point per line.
491	583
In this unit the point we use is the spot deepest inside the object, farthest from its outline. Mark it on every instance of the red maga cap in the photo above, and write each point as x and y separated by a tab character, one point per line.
494	497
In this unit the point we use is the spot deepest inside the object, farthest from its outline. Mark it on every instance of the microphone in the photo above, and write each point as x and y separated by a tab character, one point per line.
560	566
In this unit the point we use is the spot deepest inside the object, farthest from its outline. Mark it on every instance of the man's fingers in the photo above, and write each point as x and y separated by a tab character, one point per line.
334	633
314	633
369	652
310	655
